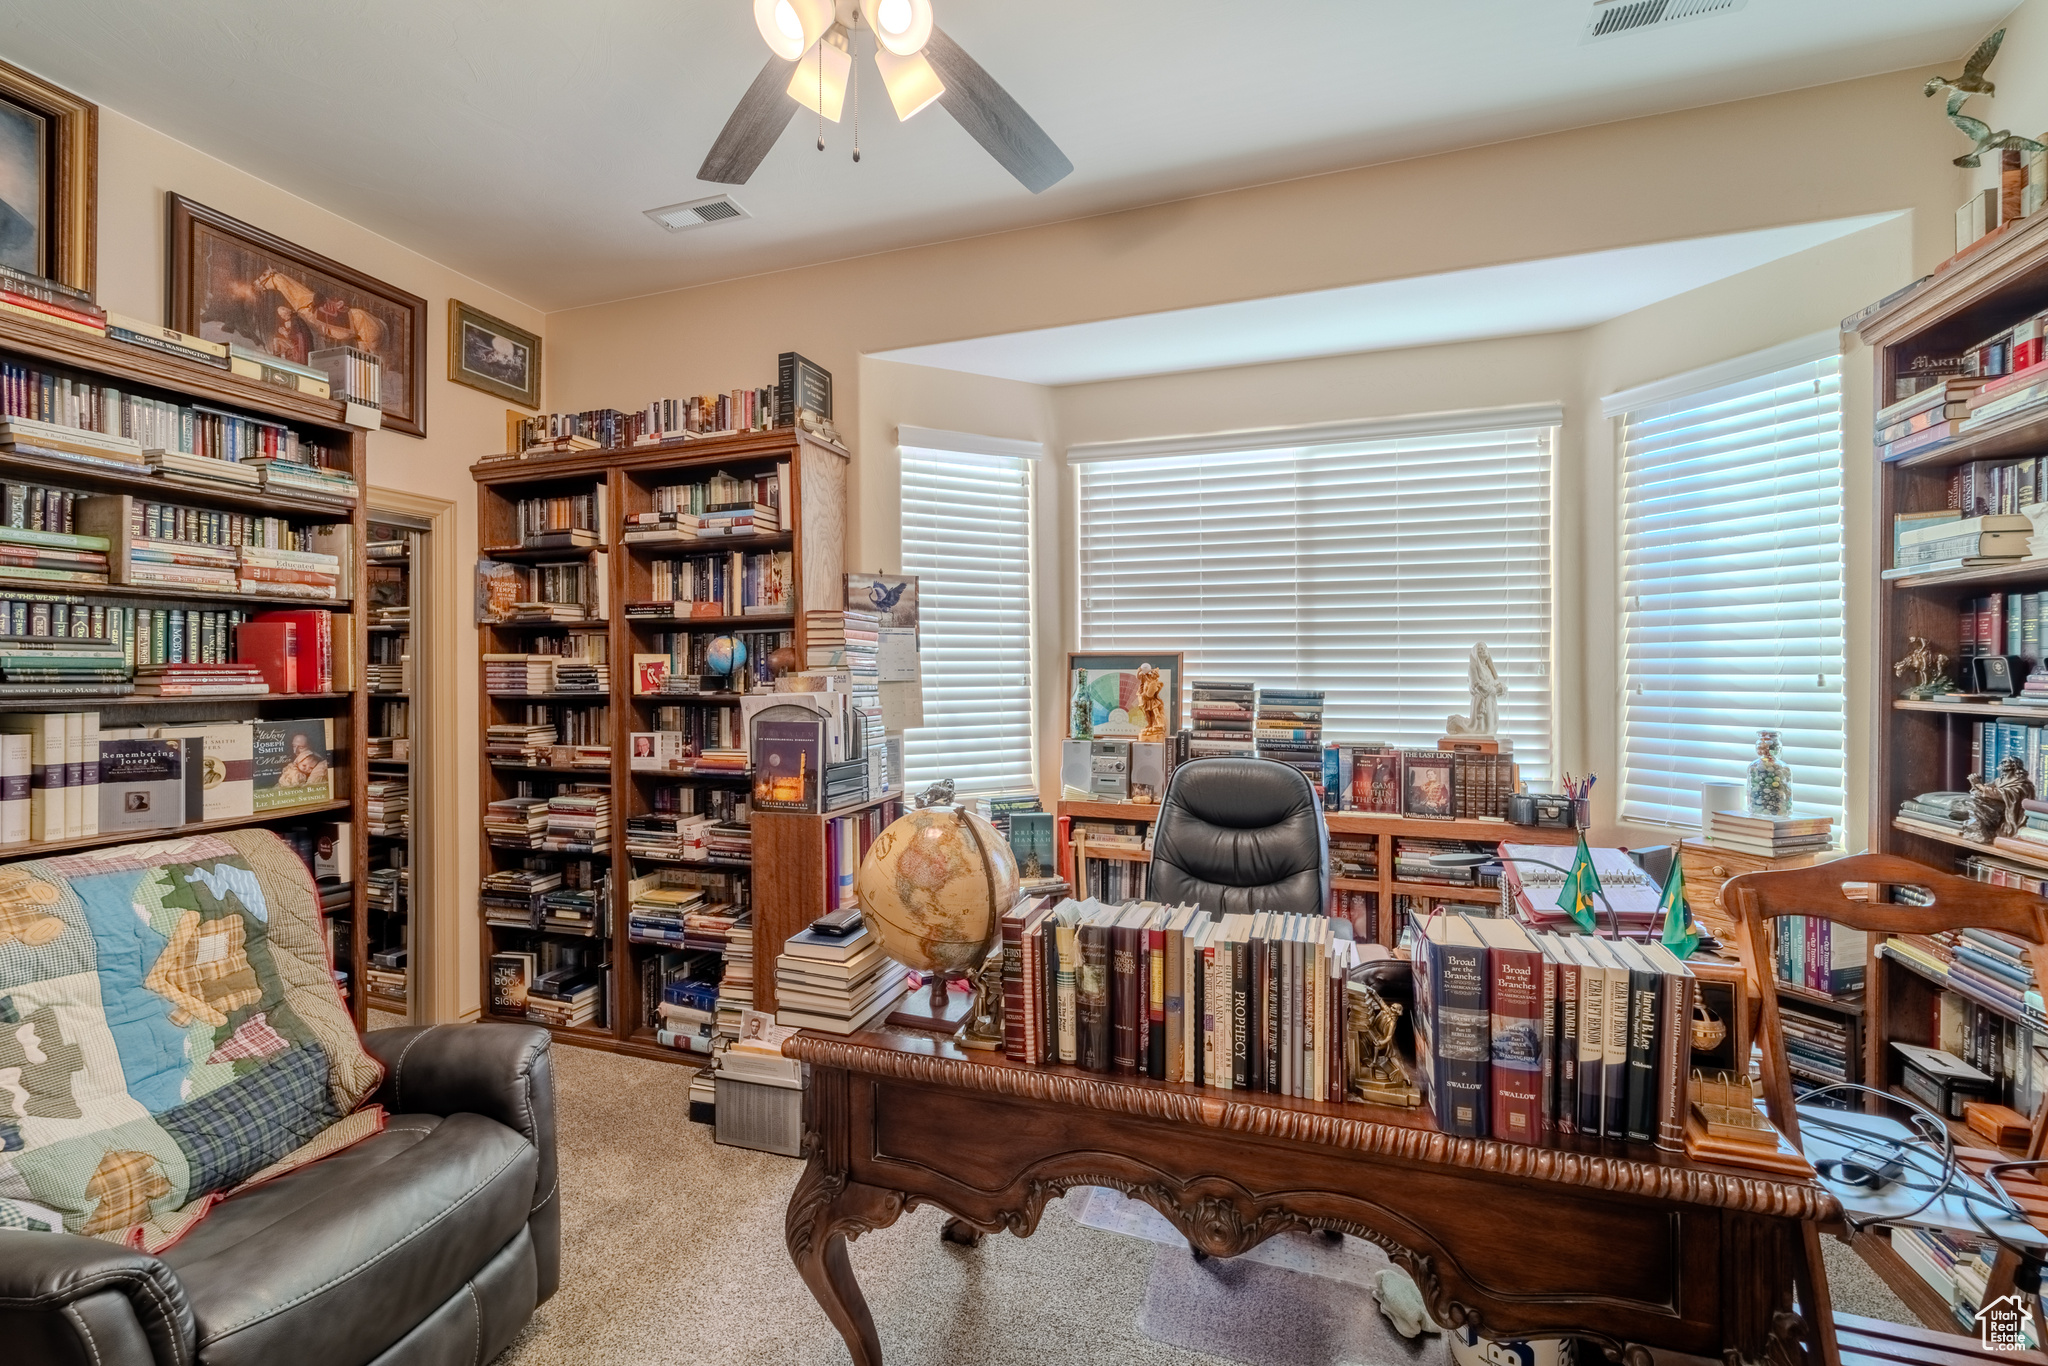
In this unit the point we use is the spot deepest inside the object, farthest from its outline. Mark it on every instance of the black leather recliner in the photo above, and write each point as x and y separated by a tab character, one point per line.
431	1242
1241	835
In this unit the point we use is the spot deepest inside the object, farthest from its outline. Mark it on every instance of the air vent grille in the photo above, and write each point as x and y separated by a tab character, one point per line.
697	213
1611	18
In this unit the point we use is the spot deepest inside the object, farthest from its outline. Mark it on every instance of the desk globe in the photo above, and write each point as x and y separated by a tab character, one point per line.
933	888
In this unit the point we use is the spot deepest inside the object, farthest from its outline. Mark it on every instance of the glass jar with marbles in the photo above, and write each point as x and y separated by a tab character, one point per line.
1770	782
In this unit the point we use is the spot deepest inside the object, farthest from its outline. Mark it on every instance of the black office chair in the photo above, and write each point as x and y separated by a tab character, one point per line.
1241	835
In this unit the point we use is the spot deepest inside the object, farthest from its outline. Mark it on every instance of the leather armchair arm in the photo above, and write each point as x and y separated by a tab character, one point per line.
501	1071
66	1299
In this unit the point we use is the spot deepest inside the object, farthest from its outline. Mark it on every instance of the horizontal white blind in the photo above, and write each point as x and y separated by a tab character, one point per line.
1365	568
967	537
1732	590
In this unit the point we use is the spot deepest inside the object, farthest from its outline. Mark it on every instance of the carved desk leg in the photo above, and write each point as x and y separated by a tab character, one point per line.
825	1210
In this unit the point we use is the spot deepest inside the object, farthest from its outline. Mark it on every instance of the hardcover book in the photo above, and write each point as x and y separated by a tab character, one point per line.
142	785
1428	788
788	757
1376	779
1092	993
1639	1104
1462	1026
227	767
290	763
1515	1010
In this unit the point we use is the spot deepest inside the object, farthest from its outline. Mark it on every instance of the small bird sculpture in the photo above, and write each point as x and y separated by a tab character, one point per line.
1973	81
1980	133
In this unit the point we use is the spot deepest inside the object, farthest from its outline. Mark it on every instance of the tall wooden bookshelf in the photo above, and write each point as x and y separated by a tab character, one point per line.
1924	746
134	370
815	494
390	887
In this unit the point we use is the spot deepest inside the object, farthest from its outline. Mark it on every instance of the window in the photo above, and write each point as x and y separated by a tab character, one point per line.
967	537
1364	561
1732	586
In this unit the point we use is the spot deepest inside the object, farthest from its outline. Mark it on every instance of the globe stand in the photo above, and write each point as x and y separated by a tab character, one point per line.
938	1011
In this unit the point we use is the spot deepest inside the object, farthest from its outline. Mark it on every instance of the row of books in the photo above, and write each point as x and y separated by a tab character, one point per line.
1111	879
1424	783
564	591
847	841
1958	1267
2007	1044
1523	1035
1223	715
65	776
679	999
561	520
551	981
1290	730
1819	1049
1247	1002
732	584
1979	964
523	674
723	493
1819	955
686	655
663	419
81	405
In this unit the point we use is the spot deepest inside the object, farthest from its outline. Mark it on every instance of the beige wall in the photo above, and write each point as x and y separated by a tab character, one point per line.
137	166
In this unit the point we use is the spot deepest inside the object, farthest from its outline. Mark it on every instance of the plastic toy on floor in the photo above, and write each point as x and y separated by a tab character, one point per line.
1398	1298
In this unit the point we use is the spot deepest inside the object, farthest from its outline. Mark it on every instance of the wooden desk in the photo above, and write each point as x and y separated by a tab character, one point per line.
1628	1246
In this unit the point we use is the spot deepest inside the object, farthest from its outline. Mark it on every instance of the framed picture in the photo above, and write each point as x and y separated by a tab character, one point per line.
492	355
1113	691
892	595
49	180
1427	787
230	282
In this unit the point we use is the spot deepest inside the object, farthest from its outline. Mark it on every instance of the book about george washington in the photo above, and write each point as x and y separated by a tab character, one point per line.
1522	1036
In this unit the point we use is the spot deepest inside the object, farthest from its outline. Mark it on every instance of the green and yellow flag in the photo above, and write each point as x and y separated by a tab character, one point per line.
1581	885
1681	931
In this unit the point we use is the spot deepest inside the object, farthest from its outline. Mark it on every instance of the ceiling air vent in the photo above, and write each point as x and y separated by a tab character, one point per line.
1610	18
697	213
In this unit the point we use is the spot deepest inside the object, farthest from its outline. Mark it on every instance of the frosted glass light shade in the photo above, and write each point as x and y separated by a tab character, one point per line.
804	86
790	26
901	26
911	82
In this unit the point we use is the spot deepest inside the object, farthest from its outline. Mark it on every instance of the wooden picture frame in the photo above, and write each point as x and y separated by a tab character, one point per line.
492	355
66	202
231	282
1099	662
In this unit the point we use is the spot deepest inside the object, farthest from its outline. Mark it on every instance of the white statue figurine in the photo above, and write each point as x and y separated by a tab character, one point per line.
1487	691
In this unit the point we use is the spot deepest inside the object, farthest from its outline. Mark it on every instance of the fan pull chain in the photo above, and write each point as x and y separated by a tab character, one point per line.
856	84
821	98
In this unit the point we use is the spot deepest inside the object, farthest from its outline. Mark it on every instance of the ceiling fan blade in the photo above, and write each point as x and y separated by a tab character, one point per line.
759	118
993	119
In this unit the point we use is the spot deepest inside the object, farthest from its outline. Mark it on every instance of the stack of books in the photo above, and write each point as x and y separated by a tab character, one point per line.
204	470
297	477
582	675
1924	417
386	804
200	680
73	666
1770	836
511	897
1948	812
736	983
519	742
516	822
46	301
181	564
842	640
729	842
659	834
687	1013
845	784
27	436
288	573
1290	730
566	998
717	760
1223	715
579	819
517	675
657	908
387	678
573	910
386	978
52	556
836	986
1494	1063
1816	1048
385	890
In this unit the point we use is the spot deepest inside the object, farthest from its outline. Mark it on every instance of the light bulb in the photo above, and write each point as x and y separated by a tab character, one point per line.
901	26
790	26
804	86
910	81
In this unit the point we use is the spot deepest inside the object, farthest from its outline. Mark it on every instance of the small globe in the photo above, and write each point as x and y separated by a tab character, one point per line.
724	654
934	887
783	661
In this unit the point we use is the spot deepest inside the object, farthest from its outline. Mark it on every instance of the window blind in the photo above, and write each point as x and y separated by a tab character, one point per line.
1732	590
967	537
1366	568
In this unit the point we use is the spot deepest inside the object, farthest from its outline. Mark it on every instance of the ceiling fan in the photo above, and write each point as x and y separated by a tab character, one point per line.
814	43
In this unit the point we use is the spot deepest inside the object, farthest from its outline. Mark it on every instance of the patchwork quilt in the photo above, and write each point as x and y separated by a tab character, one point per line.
169	1031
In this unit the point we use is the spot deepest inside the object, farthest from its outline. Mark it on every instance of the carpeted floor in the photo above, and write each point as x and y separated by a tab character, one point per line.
673	1253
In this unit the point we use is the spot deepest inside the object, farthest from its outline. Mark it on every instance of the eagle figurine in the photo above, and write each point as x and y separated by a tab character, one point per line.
1973	80
1979	132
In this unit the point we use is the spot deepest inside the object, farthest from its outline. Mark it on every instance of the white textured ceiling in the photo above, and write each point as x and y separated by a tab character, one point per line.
1517	300
519	140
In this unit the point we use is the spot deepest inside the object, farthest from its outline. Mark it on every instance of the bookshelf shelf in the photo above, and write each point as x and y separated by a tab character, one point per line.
141	372
2019	434
2017	574
1819	1000
1929	832
814	498
1971	709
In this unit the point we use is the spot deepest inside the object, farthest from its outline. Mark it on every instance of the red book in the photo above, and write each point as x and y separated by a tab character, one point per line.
1515	1002
273	648
316	645
1155	1003
30	301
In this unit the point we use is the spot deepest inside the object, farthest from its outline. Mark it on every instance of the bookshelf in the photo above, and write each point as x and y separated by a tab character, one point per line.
391	888
135	371
1368	830
782	873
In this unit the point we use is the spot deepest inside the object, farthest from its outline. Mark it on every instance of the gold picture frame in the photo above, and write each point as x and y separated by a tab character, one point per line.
491	354
65	210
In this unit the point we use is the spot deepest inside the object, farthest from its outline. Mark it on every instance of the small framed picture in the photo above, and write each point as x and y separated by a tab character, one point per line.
1427	789
1112	691
892	596
492	355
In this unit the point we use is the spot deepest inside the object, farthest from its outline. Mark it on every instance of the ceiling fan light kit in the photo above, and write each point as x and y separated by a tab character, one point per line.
903	27
812	68
789	27
910	81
